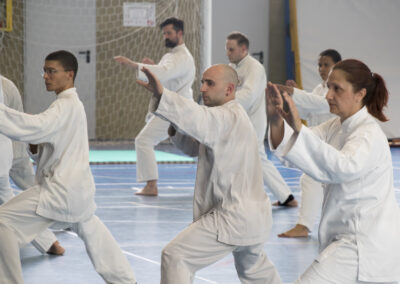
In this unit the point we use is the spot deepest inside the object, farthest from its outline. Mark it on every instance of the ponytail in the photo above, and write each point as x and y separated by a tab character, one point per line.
360	76
378	99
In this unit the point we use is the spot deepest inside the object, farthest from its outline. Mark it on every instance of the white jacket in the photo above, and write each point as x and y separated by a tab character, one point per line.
353	159
229	175
63	172
251	92
176	71
313	106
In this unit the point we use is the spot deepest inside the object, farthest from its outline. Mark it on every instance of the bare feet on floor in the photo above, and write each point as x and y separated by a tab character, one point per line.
56	249
150	189
299	231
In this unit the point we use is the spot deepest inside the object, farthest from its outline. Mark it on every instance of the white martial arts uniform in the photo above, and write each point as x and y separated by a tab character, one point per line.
176	71
314	108
22	172
65	191
231	211
360	223
15	162
251	95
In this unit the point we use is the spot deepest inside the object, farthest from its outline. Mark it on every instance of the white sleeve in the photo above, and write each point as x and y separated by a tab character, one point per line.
204	124
34	129
310	102
327	164
170	67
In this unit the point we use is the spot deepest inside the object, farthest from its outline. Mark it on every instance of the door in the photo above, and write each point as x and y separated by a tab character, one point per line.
54	25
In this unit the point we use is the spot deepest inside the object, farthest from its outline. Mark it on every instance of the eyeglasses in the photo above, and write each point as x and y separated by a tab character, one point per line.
51	71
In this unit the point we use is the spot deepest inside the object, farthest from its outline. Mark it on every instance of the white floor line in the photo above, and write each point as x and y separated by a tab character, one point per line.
160	207
157	263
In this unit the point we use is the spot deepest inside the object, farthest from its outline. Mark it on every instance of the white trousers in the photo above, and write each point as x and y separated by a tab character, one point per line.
19	224
155	131
312	194
197	247
271	176
44	240
338	263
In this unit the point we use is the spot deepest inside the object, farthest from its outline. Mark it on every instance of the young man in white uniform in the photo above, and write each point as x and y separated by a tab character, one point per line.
15	162
176	71
313	108
232	212
251	95
64	194
360	222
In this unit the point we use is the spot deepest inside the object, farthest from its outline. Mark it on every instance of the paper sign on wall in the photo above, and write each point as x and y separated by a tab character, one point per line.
139	14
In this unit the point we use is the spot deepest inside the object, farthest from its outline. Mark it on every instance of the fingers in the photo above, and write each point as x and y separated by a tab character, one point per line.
142	83
119	58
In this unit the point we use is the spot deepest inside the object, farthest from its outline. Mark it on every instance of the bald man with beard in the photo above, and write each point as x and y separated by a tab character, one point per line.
232	213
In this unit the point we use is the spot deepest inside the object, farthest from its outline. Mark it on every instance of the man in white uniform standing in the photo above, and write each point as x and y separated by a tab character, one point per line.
176	71
64	193
251	95
15	162
232	212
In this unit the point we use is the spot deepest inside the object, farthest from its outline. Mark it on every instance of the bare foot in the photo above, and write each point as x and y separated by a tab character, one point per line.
299	231
290	202
150	189
56	249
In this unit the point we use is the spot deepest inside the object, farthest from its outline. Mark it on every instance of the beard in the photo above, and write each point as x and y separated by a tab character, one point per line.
170	44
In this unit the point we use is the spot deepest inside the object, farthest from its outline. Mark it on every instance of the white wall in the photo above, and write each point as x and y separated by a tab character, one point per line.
367	30
248	17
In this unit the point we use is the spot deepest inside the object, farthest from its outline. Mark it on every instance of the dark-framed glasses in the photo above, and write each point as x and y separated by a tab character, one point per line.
51	71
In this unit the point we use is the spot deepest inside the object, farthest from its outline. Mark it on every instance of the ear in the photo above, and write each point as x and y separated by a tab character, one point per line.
361	94
230	89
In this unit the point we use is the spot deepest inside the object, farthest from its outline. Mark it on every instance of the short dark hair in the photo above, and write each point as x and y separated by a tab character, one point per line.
332	54
175	22
67	60
240	38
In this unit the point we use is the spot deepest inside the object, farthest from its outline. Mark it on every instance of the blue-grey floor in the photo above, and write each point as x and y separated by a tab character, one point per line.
143	225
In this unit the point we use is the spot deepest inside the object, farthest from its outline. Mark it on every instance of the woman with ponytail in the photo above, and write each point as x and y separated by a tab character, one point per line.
359	232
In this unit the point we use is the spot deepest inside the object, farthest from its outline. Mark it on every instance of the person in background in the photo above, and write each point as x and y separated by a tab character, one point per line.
250	94
313	108
176	70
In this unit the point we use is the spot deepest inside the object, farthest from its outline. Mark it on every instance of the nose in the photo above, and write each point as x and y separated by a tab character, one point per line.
203	88
328	95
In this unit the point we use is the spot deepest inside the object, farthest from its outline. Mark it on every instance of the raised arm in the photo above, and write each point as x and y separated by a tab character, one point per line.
277	111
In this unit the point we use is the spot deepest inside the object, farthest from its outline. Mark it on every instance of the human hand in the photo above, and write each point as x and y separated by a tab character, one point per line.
125	61
153	85
283	88
147	60
281	106
291	83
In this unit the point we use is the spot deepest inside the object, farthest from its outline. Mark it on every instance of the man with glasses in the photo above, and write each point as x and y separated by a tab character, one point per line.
64	194
176	71
15	163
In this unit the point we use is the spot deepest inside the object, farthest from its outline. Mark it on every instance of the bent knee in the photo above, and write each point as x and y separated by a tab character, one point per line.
171	256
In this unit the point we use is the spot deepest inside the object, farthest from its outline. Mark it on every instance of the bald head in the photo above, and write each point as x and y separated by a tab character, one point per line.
218	84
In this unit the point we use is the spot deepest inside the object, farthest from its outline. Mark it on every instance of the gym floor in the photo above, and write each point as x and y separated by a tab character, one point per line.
144	225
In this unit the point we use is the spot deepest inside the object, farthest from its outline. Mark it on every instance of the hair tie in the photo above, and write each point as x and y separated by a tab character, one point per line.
372	74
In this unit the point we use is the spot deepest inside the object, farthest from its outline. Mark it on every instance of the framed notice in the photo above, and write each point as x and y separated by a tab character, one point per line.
139	14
